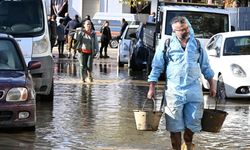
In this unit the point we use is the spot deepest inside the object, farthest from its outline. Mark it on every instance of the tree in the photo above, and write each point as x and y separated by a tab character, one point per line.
138	4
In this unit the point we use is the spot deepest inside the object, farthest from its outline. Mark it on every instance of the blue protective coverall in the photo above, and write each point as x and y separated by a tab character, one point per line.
184	97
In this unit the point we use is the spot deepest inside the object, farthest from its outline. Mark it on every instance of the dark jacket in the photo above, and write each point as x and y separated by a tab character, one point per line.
124	25
71	26
106	34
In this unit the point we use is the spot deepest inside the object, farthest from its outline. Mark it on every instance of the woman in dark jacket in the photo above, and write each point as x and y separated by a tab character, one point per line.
105	38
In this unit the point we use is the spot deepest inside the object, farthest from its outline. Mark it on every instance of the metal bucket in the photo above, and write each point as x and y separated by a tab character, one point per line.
147	120
213	119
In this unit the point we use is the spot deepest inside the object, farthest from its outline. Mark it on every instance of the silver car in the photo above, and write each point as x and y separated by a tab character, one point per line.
125	44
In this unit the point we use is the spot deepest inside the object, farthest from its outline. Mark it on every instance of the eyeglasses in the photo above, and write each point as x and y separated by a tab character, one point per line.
181	30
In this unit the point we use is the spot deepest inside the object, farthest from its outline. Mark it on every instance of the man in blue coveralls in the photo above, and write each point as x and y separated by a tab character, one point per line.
184	97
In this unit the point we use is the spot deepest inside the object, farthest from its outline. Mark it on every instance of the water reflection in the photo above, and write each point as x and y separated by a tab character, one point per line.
100	115
65	67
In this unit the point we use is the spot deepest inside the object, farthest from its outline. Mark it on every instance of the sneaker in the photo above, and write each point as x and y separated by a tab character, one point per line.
101	56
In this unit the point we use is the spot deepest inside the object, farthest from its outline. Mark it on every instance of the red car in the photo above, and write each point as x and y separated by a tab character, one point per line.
17	94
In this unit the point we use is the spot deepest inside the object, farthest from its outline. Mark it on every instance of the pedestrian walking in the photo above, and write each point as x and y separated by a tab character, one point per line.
87	17
183	61
87	47
60	38
65	22
66	19
52	30
123	27
71	29
105	38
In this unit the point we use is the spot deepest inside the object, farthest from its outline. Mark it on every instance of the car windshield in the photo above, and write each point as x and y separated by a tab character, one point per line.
237	46
205	24
130	30
9	58
21	17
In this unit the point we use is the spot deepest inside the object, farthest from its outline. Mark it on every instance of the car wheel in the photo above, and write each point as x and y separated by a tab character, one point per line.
113	43
221	92
132	64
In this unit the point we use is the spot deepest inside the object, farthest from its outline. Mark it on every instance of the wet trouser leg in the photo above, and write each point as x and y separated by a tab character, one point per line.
83	65
89	66
69	45
176	140
106	51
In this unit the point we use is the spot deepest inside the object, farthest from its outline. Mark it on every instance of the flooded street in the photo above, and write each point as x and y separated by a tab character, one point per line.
99	116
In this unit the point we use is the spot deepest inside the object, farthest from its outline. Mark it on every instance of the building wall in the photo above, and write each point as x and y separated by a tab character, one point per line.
75	8
113	6
83	7
90	7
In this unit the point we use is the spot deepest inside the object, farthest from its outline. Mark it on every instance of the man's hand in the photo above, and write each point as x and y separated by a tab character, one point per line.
151	91
212	92
212	89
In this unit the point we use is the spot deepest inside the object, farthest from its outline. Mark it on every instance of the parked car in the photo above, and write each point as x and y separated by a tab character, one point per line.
229	54
125	44
138	54
114	24
17	94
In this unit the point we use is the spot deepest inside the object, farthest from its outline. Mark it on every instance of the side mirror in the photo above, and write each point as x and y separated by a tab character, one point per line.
212	52
34	65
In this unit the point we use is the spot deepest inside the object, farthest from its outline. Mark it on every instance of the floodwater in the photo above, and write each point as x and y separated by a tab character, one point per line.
99	116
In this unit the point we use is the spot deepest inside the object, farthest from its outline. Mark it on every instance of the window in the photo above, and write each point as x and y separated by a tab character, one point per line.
21	17
9	58
130	30
204	24
237	46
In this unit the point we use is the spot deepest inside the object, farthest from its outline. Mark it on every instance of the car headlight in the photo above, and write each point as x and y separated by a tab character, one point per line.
17	94
41	46
238	71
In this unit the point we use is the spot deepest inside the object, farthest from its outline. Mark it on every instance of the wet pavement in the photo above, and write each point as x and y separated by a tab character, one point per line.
99	116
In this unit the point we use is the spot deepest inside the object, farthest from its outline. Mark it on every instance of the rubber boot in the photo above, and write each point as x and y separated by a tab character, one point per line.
106	55
89	78
176	140
82	74
187	146
74	56
69	54
188	138
101	56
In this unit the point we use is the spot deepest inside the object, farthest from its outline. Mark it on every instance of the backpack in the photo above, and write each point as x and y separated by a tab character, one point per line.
166	50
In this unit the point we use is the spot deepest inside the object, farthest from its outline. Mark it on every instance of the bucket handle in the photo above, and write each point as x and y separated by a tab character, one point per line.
216	102
146	102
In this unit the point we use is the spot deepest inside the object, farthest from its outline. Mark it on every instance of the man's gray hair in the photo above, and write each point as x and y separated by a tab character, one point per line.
180	19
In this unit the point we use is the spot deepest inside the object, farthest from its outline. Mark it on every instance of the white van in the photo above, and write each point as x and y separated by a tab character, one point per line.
114	21
26	21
